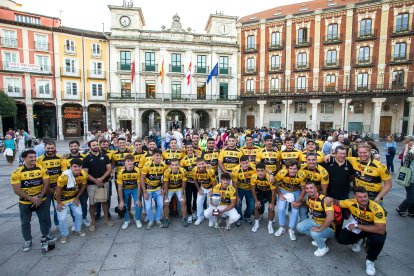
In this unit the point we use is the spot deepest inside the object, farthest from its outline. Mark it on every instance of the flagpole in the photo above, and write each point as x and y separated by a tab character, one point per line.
191	84
162	78
217	91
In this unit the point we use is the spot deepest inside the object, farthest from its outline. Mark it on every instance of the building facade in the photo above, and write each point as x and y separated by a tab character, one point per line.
329	64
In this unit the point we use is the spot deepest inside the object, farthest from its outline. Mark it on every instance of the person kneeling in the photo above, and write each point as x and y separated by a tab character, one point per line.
227	203
322	226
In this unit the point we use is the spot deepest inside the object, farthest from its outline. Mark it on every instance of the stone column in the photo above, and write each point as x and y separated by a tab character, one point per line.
235	117
113	118
137	123
343	110
287	104
410	116
314	113
261	112
30	120
163	122
59	120
376	118
189	118
347	102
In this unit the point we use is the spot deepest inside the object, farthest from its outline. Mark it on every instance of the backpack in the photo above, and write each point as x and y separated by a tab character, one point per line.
337	213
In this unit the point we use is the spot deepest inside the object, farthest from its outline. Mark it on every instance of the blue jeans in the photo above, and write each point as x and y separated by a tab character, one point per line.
63	220
390	162
250	203
282	207
303	211
98	206
408	203
134	193
148	205
49	200
83	199
306	225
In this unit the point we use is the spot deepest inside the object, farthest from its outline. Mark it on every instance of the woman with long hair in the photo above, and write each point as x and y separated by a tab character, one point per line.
390	149
218	142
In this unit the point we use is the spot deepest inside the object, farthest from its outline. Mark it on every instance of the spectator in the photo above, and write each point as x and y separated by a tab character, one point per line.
40	149
9	149
157	139
327	146
390	149
90	136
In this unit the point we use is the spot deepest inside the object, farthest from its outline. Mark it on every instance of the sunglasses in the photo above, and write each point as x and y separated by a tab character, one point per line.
358	142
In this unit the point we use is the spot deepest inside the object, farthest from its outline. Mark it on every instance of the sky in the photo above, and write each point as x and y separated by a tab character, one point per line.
90	14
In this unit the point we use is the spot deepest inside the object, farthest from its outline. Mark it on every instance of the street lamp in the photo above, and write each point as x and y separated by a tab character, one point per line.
360	104
396	103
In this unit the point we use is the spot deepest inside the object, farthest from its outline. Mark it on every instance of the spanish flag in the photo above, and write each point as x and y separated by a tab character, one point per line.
162	71
188	74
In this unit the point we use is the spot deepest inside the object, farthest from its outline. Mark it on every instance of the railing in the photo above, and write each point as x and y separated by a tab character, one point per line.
302	66
97	54
366	34
251	48
123	66
332	64
70	96
203	70
400	59
250	70
70	51
14	92
70	72
8	42
275	46
176	69
275	68
225	71
36	69
41	46
43	94
332	39
400	30
364	62
171	97
149	67
96	74
303	42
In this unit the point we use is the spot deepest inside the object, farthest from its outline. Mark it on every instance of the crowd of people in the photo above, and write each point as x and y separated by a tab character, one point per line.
15	141
304	174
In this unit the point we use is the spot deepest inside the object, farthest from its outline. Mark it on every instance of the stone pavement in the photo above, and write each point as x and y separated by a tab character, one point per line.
195	250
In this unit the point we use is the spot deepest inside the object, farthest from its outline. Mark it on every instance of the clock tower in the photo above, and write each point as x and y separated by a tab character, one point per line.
219	24
126	19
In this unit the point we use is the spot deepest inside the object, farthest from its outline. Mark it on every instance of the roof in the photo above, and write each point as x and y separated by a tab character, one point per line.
299	8
25	12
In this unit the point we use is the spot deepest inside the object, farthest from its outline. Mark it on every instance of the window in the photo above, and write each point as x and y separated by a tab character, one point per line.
363	80
126	88
10	57
96	69
250	42
364	54
150	62
70	67
176	90
302	58
27	19
356	107
201	64
70	46
12	87
96	50
365	27
331	57
43	61
97	89
224	65
275	39
274	84
398	78
36	21
330	81
43	88
224	91
327	107
71	90
275	108
41	42
9	38
201	90
332	31
275	62
125	60
301	83
400	50
303	35
402	22
150	89
176	63
250	85
300	107
250	64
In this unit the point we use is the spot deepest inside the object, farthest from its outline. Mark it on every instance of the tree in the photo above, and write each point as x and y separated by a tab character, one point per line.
8	107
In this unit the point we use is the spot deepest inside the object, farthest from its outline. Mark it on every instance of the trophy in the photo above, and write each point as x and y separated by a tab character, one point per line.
216	199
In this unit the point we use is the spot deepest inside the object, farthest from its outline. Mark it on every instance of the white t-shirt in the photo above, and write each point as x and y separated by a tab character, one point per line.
334	145
179	137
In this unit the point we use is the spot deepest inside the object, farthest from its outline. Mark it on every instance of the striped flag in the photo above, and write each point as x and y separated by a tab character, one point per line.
162	72
132	71
188	74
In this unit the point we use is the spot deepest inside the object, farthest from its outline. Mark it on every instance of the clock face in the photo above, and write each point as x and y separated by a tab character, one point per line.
224	29
125	21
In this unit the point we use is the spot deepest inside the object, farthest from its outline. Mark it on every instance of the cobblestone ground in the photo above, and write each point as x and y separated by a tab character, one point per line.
195	250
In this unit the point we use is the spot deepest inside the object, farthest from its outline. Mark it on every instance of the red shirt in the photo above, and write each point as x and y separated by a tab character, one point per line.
11	133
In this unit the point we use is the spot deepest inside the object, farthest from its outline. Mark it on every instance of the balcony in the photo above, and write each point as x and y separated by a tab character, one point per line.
149	67
332	39
97	74
77	96
29	68
176	69
202	70
41	46
400	59
303	42
366	34
96	53
279	45
250	71
8	42
332	64
401	30
302	66
225	71
71	51
150	97
43	94
70	72
364	62
251	48
14	92
123	66
275	68
125	94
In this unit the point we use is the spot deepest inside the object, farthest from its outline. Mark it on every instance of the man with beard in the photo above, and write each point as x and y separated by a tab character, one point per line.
250	150
229	157
311	147
103	147
189	162
269	156
211	155
196	139
148	156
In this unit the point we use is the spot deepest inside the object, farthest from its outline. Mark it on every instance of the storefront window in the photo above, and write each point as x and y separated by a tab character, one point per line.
72	120
71	126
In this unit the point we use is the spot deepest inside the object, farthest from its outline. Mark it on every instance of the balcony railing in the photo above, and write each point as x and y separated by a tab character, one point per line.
41	46
97	74
123	66
250	70
279	45
8	42
149	67
203	70
303	42
366	34
332	64
401	30
302	66
70	50
333	39
400	59
69	95
364	62
251	48
96	53
176	69
225	71
31	68
168	97
14	92
275	68
43	94
70	72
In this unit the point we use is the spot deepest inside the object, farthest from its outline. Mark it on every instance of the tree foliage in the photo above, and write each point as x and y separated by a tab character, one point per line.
8	107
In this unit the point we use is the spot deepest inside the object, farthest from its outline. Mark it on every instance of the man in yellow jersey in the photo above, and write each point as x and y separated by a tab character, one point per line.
195	139
30	182
211	155
311	147
229	157
139	152
263	190
151	183
241	176
70	186
322	226
172	153
291	180
128	184
174	184
189	162
269	156
227	203
52	162
148	156
290	153
368	222
250	150
316	173
204	179
319	143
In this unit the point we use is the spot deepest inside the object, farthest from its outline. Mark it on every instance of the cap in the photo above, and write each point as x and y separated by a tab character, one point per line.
310	140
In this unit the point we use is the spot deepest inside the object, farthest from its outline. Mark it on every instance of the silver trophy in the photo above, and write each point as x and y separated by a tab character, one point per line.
216	199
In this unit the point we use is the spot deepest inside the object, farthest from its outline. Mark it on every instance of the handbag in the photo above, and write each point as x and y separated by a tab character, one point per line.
404	172
391	150
100	195
401	156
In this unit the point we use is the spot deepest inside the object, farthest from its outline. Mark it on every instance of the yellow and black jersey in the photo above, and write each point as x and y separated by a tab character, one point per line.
320	157
374	213
206	178
69	194
118	159
319	145
319	175
30	181
146	158
109	153
175	179
65	164
197	151
289	183
169	154
53	165
189	163
263	184
243	177
251	152
137	157
153	175
278	143
319	208
129	179
286	155
230	158
270	158
211	158
226	194
372	177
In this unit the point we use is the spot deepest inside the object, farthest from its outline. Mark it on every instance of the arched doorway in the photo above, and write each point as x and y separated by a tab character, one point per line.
45	124
72	124
151	119
201	119
17	122
97	117
175	119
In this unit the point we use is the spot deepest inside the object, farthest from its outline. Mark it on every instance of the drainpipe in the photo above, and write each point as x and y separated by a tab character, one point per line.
85	108
54	86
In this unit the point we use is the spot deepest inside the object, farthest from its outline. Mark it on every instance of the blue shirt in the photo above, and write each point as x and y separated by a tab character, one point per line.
390	145
40	150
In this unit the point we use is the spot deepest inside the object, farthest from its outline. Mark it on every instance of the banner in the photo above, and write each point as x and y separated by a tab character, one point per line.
24	67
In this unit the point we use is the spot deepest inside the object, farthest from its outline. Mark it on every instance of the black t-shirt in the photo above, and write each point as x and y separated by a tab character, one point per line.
96	166
338	177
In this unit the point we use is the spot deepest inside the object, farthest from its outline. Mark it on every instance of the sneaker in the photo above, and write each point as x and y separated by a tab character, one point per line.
357	246
73	228
255	227
228	226
217	224
210	223
63	239
166	223
248	220
180	214
139	224
150	224
125	225
194	215
270	229
315	244
185	222
321	251
130	215
280	231
198	221
146	219
50	238
292	234
190	219
239	223
27	246
81	233
370	268
158	223
86	222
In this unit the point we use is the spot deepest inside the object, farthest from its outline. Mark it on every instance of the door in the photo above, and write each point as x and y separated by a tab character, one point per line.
224	123
385	126
326	125
125	124
299	125
355	126
250	121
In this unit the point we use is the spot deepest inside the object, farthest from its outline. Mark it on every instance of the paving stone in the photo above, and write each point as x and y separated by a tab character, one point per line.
87	268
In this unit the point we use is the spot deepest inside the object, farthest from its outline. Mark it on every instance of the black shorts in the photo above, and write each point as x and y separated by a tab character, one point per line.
263	197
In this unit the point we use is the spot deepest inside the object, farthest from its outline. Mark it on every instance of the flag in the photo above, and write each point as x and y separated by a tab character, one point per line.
162	71
132	71
188	76
213	72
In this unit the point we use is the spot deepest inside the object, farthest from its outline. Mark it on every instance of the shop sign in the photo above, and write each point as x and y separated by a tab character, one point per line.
72	113
24	67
